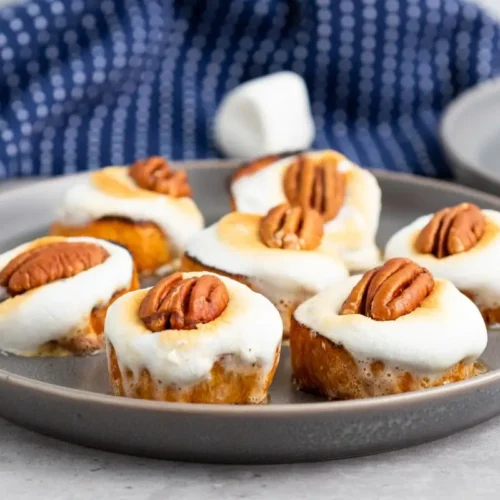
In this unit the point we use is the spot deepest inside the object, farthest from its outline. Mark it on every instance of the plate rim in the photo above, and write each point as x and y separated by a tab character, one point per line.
395	176
408	399
452	112
275	410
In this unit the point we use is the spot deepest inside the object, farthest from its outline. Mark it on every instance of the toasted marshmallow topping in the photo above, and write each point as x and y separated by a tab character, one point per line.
351	233
474	271
112	192
447	328
233	245
55	310
249	328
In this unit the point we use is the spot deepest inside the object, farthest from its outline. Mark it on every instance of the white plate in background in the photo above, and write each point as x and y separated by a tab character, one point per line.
470	136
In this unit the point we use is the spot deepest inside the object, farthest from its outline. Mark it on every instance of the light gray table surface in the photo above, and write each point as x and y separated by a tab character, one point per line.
463	466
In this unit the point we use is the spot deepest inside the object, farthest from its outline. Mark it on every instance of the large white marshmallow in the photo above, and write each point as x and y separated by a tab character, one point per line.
266	115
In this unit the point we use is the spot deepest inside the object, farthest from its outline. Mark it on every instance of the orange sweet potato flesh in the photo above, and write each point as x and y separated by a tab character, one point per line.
146	242
321	367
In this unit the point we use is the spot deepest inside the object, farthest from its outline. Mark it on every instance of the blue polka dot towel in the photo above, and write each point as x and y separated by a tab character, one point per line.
86	83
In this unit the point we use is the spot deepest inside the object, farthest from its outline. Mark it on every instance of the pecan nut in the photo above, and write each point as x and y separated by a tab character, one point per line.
45	264
390	291
293	228
155	174
177	303
452	230
315	183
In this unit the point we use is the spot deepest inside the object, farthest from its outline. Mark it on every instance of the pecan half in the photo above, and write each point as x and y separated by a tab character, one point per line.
315	183
452	230
45	264
293	228
155	174
177	303
390	291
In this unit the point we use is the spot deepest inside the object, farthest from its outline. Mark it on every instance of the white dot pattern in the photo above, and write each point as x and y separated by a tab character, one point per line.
89	83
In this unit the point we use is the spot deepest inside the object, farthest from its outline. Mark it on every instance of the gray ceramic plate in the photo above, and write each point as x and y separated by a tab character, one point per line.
69	398
470	135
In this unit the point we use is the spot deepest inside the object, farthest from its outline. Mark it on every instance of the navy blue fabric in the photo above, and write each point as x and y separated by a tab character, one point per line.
88	83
